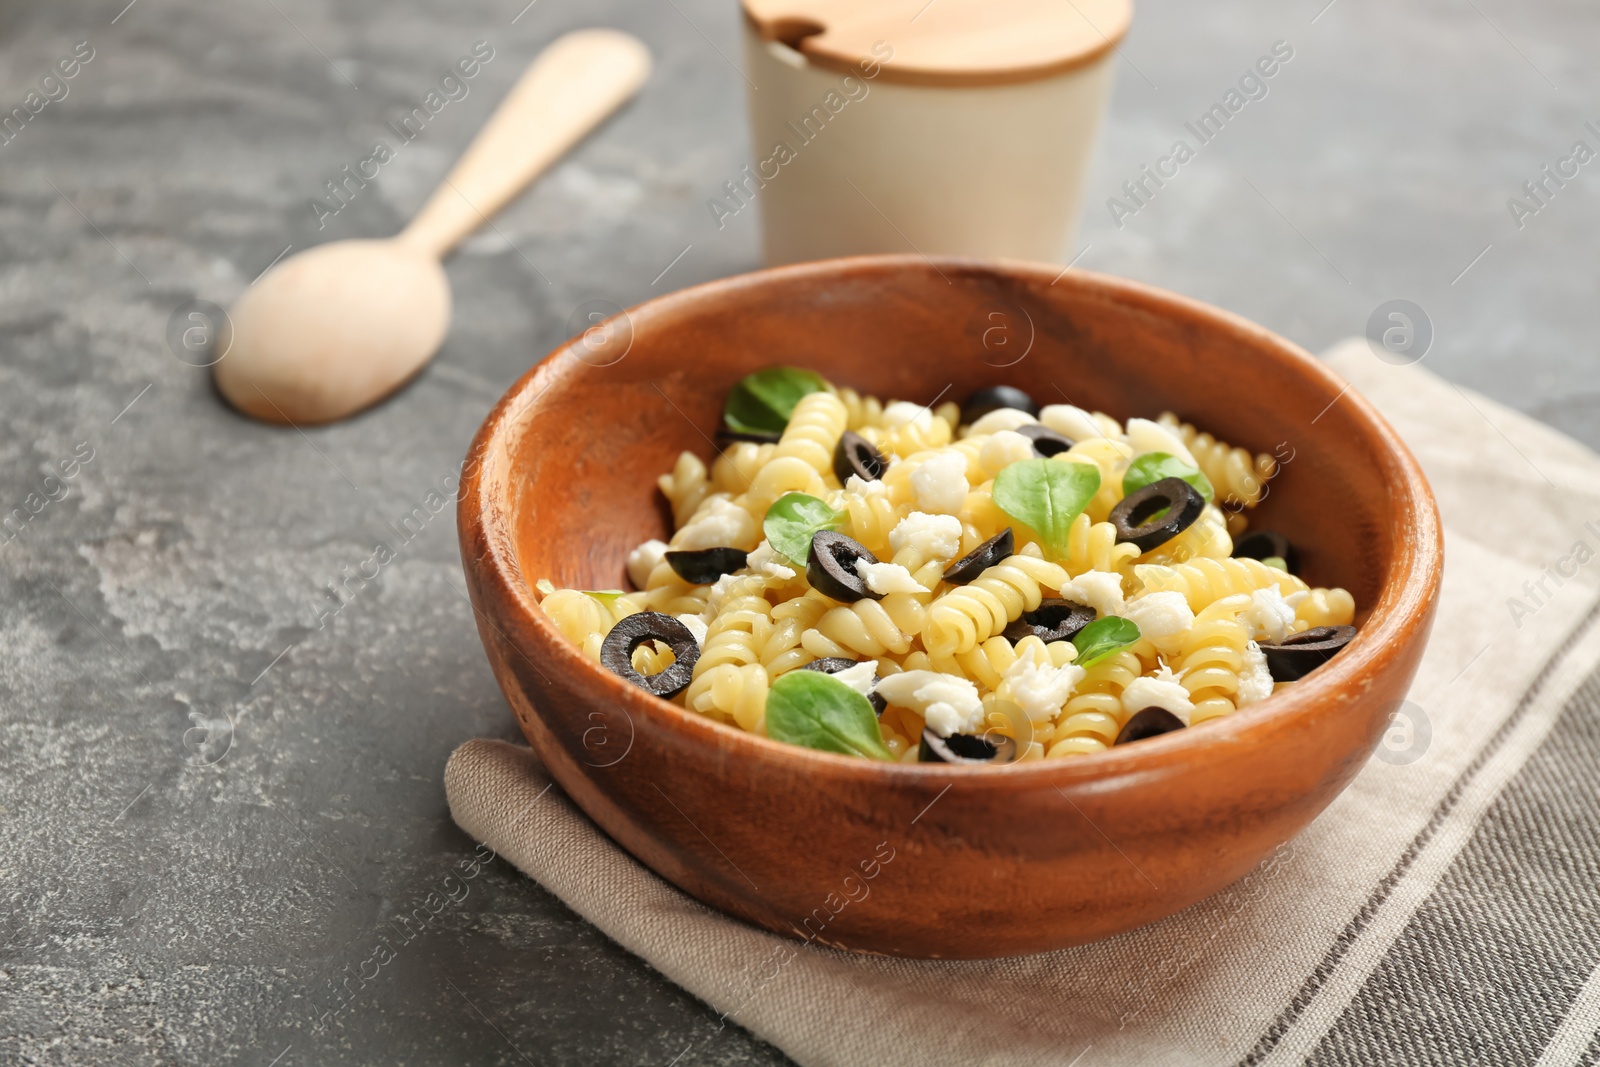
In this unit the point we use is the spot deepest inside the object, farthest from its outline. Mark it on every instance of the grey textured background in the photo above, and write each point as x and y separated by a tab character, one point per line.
158	908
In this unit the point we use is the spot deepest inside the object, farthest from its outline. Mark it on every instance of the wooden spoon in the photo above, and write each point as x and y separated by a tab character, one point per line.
338	327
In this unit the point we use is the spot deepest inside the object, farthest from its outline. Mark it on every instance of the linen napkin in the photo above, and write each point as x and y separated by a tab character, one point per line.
1440	910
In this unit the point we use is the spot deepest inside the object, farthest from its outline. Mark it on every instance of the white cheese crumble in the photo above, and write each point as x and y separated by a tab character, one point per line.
1038	686
644	559
720	523
887	578
1161	691
931	536
1147	436
1071	422
1160	616
1000	419
766	561
862	677
1255	678
719	593
1269	615
696	626
1003	449
941	483
905	413
949	705
1100	590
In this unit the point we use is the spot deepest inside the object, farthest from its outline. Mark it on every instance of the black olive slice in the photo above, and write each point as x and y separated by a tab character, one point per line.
980	559
1180	501
1053	620
704	566
831	567
965	748
760	437
855	455
1299	654
631	631
994	398
835	664
1151	722
1046	442
1265	544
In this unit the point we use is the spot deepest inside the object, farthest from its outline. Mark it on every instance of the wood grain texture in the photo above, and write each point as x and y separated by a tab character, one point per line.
988	861
947	42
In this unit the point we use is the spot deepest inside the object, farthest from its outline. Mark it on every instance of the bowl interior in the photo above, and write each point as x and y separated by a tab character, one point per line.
583	492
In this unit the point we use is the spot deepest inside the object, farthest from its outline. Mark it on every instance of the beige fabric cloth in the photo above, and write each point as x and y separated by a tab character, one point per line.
1257	974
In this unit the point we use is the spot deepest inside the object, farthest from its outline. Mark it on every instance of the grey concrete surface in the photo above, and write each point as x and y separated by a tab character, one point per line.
209	802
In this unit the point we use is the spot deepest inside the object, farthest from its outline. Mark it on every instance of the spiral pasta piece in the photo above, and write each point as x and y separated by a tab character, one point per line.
731	692
813	431
1204	581
1239	478
686	487
736	467
1207	537
899	435
873	515
782	651
1092	546
1213	654
1325	607
976	612
1093	714
585	618
860	411
867	629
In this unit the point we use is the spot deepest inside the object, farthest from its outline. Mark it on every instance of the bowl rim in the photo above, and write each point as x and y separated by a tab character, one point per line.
1404	600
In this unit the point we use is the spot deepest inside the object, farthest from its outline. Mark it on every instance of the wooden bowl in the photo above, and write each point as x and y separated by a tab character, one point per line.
935	860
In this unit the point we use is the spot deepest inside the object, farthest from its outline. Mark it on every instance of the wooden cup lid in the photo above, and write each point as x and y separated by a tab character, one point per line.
946	42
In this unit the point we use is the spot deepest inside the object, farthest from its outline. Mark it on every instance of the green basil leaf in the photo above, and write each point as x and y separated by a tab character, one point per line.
794	519
1103	637
605	596
1154	466
762	402
818	711
1277	563
1045	495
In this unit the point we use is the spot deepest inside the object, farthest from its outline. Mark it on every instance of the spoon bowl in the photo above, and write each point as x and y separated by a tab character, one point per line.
339	327
333	330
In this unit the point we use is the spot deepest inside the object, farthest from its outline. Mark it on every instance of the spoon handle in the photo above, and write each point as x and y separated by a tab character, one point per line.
568	90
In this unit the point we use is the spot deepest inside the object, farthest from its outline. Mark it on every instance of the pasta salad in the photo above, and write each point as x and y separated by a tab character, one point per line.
986	582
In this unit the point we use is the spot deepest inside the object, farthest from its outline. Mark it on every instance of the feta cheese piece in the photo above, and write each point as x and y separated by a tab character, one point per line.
1038	686
720	523
1255	678
766	562
949	705
1162	691
905	413
1162	617
862	677
644	559
1269	615
931	536
696	626
1100	590
1003	449
1001	419
940	483
1071	422
887	578
1147	436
